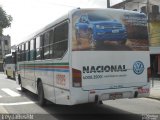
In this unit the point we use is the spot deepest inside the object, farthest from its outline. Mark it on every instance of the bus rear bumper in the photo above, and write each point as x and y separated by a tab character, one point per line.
109	94
102	95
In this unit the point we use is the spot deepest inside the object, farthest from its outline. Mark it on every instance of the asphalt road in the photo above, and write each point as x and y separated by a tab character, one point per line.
15	102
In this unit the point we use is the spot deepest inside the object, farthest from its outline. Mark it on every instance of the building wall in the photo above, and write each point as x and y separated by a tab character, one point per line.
5	46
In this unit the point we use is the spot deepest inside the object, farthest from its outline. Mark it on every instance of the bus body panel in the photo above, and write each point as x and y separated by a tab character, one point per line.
106	70
96	80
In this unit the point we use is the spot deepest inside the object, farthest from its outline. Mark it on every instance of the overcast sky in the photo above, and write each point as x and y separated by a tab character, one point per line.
31	15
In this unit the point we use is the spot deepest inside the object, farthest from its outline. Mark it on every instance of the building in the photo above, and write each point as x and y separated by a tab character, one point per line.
5	46
152	9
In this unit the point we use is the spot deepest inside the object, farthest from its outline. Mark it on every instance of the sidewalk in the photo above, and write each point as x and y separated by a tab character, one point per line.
155	89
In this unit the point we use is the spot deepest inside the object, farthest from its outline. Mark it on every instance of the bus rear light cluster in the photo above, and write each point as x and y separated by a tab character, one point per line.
76	77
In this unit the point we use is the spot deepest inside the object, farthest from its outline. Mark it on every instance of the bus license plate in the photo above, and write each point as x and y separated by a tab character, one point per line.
115	96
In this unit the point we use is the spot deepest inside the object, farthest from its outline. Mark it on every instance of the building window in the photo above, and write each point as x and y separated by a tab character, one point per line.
155	9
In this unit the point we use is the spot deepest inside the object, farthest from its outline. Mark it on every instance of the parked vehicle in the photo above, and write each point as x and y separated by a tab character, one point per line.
9	65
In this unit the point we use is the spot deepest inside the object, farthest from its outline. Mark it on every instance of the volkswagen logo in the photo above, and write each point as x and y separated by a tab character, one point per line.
138	67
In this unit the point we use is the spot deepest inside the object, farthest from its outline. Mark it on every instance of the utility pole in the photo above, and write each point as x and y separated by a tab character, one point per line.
148	12
108	4
149	21
149	33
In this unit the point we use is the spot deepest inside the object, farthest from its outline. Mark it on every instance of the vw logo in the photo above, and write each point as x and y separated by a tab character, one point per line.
138	67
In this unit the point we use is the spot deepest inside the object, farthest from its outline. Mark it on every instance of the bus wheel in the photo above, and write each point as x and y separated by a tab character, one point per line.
41	99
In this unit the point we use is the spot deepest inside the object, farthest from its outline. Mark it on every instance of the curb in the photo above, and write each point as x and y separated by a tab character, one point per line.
154	98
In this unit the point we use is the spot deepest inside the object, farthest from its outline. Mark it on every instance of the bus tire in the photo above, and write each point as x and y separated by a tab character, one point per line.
41	99
20	83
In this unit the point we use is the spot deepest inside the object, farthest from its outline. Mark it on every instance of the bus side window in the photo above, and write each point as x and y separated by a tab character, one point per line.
46	46
38	54
32	50
41	46
51	38
60	40
23	53
14	57
19	53
27	51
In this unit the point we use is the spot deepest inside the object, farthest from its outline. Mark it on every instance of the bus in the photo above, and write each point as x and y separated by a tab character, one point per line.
9	65
87	56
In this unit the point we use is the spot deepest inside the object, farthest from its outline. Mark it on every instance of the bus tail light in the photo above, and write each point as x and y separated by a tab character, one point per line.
148	73
76	77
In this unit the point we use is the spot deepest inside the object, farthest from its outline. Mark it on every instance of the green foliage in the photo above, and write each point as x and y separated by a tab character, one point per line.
5	20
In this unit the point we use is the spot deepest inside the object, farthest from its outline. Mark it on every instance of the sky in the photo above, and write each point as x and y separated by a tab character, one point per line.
31	15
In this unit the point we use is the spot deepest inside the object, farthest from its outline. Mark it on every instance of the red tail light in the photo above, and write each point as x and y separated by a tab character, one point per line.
148	73
76	77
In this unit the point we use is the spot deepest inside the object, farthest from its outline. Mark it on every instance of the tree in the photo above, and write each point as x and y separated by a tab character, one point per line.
5	20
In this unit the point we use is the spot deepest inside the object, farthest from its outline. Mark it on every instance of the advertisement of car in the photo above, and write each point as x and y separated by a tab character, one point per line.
109	30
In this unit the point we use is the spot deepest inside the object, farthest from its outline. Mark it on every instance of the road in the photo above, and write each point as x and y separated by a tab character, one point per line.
13	101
